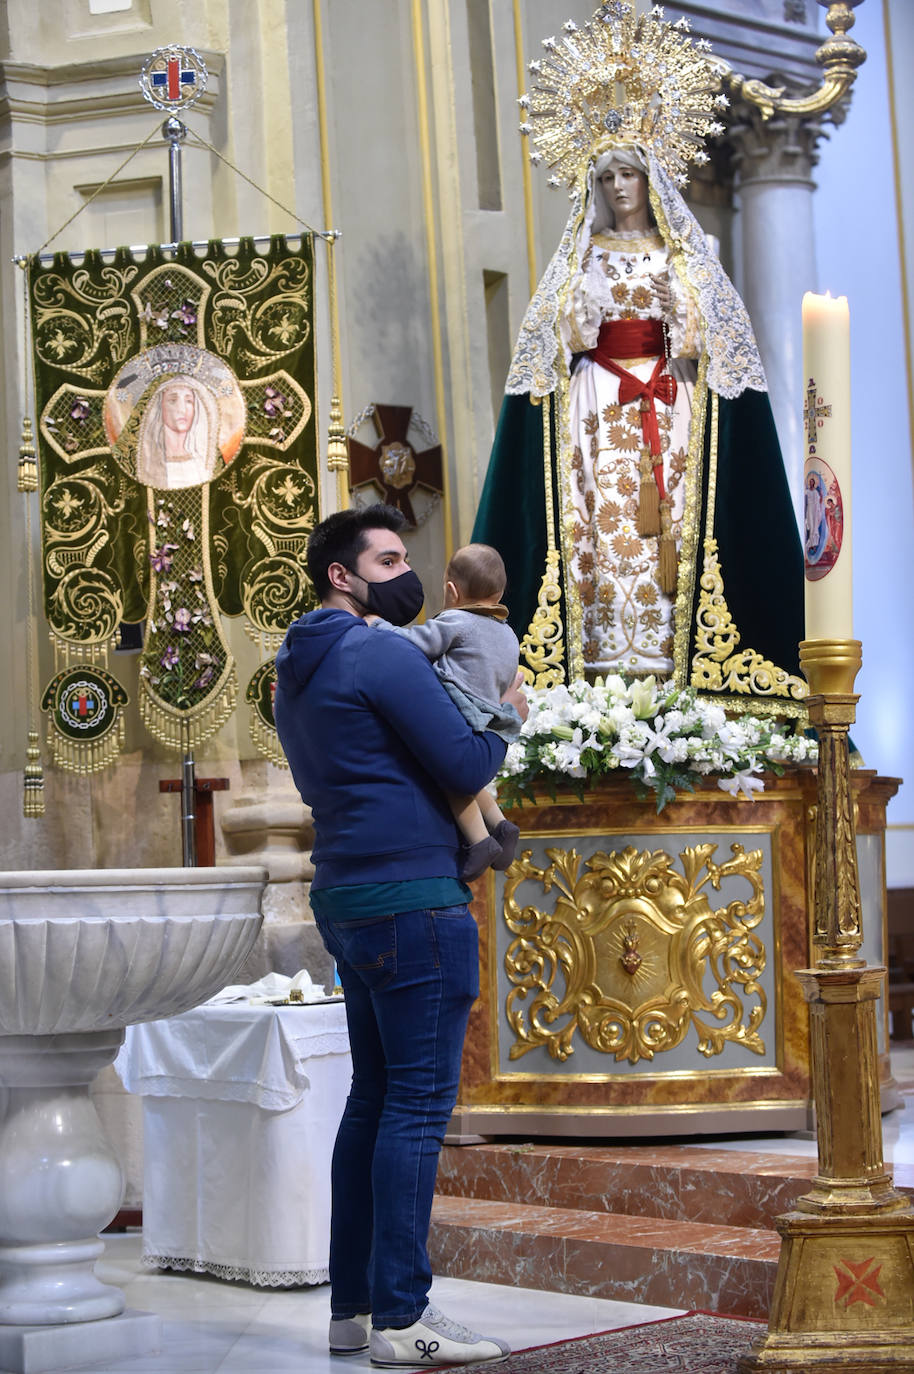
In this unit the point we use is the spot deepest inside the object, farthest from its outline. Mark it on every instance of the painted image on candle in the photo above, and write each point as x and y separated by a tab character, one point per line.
823	518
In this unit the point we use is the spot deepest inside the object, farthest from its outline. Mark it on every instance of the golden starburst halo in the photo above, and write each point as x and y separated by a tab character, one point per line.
622	79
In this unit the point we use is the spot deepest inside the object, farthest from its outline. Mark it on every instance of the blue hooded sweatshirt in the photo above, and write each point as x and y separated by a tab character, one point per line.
373	741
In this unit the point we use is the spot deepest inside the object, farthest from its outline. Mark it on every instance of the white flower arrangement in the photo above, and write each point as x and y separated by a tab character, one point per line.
666	739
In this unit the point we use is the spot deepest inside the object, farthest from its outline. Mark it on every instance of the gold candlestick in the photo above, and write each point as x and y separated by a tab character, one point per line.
844	1293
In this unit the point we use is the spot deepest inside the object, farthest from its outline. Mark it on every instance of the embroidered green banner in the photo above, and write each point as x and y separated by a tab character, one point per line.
178	462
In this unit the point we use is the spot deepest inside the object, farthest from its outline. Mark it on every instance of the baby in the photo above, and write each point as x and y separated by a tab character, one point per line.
475	654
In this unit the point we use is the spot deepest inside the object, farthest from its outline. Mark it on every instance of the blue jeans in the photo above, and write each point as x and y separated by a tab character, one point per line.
409	981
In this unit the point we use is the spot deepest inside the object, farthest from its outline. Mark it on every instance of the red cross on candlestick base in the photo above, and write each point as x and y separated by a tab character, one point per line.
393	464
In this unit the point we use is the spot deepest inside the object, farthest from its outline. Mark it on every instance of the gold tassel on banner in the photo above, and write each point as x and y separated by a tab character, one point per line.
337	452
27	477
669	562
648	497
33	797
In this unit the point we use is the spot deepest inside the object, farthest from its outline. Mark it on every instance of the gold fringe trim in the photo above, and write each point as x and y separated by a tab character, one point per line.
268	641
182	730
85	758
266	741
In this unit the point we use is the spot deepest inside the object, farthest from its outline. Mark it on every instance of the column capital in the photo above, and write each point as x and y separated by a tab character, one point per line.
782	148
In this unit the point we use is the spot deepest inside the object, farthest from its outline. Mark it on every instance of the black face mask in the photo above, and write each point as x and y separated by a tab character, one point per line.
399	600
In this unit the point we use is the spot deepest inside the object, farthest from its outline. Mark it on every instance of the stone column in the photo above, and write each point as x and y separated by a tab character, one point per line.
773	161
274	829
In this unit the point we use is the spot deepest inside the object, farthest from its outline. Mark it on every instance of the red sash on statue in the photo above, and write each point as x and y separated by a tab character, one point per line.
639	339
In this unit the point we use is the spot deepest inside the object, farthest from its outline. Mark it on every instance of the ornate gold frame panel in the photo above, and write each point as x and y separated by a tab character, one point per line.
650	962
611	950
583	925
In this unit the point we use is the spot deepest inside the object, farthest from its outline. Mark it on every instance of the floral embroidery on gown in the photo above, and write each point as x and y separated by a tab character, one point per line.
627	618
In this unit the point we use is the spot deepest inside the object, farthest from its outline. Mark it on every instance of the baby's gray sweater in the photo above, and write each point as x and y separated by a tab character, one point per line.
478	653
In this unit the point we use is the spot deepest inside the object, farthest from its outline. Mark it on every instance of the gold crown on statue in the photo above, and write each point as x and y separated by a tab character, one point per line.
623	79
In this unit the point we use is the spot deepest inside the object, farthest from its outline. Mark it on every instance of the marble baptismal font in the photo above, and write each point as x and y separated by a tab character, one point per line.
83	954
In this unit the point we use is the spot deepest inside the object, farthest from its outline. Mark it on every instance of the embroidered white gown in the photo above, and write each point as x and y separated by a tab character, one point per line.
627	619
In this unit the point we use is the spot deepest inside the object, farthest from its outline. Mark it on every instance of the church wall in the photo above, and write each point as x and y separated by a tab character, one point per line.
390	285
71	112
426	173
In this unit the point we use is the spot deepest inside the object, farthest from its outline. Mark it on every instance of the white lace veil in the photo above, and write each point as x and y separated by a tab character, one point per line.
734	364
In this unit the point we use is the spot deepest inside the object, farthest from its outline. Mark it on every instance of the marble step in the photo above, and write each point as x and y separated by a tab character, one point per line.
644	1259
681	1183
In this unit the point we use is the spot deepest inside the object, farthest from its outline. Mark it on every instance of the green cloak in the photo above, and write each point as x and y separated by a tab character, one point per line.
745	564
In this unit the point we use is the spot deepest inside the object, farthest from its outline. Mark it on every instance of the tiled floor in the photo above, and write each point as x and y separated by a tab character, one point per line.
210	1326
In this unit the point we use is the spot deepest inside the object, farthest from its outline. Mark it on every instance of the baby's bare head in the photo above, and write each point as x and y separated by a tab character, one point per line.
478	573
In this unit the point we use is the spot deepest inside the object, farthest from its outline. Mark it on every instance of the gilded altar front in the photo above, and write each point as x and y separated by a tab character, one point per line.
637	970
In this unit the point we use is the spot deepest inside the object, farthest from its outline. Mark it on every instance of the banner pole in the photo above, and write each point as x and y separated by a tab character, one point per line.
175	132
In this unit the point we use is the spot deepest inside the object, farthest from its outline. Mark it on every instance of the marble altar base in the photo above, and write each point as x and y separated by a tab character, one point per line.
637	970
675	1225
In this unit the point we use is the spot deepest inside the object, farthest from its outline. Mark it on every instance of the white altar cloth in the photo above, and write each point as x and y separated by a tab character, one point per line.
240	1109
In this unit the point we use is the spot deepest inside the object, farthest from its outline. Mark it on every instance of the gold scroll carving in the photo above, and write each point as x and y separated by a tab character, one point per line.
719	663
632	954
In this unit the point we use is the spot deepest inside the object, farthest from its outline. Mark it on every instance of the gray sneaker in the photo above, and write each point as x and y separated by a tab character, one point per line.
433	1340
349	1335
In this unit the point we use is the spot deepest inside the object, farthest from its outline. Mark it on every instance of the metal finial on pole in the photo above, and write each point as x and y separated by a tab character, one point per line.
175	133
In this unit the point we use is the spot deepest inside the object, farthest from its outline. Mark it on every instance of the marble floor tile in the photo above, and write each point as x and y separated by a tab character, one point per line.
215	1327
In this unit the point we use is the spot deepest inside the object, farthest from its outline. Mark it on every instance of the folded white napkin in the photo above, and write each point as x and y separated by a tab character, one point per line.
273	988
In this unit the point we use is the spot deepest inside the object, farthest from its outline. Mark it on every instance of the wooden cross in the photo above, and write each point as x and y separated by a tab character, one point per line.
814	412
204	829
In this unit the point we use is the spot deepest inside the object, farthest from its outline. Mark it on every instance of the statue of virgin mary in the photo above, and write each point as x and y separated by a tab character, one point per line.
636	489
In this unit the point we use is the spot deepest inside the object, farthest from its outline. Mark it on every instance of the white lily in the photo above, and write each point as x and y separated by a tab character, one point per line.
742	783
642	698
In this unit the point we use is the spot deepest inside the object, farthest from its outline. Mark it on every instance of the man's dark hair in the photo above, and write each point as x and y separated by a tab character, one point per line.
341	538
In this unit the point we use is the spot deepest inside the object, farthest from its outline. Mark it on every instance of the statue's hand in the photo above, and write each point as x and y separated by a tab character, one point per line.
661	283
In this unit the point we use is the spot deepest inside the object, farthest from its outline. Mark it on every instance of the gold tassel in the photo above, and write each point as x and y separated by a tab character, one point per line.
33	794
337	449
648	497
669	561
27	479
